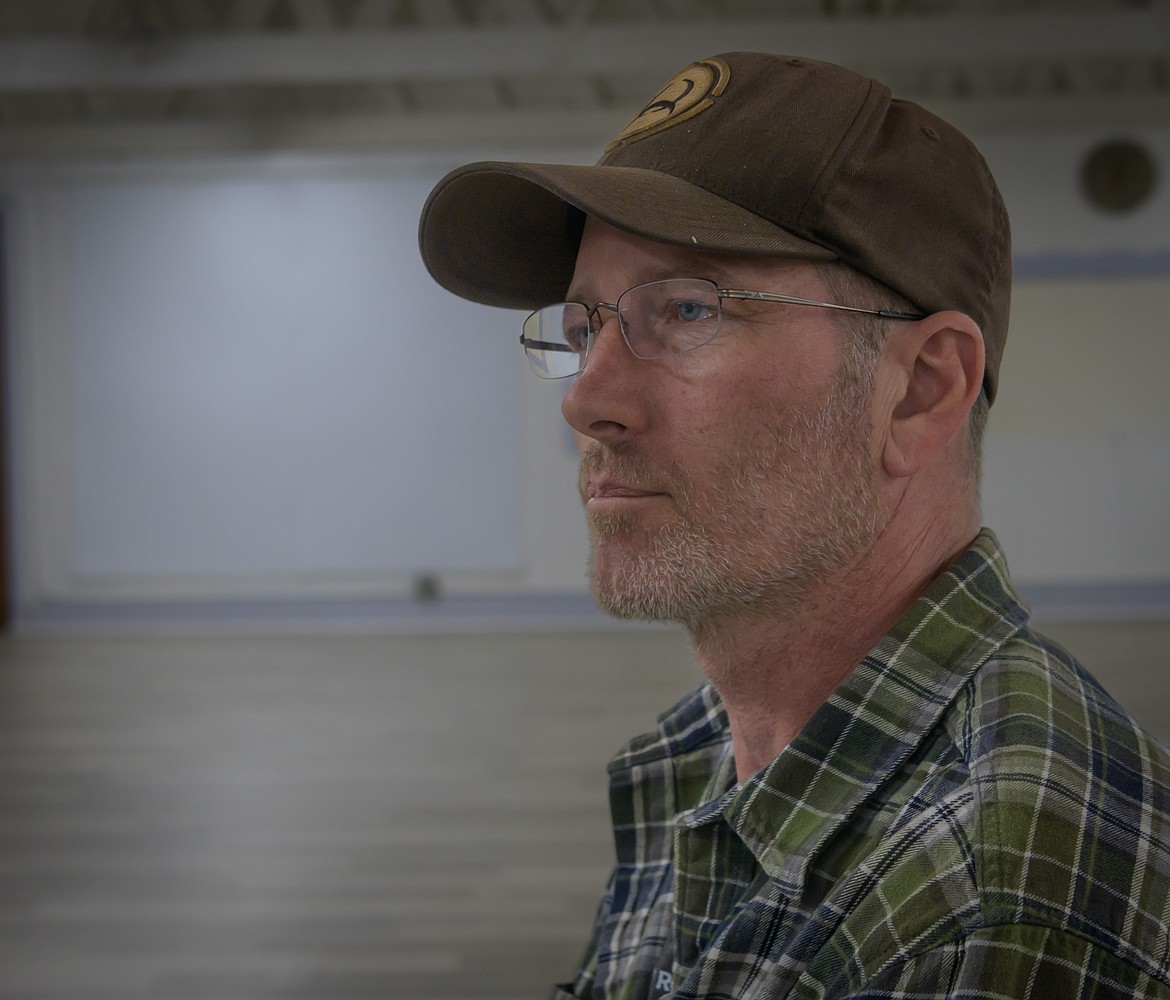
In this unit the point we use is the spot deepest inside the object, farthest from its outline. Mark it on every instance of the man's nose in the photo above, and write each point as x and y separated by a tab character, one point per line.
605	402
609	339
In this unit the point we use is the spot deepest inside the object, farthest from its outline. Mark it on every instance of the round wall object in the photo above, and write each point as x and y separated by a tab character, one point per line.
1118	175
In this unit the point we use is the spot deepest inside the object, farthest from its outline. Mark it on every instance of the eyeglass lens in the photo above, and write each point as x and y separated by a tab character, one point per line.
657	319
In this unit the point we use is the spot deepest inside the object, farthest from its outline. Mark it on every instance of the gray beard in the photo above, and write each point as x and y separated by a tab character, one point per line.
752	545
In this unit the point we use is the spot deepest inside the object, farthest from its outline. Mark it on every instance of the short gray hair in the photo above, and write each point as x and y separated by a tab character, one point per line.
866	336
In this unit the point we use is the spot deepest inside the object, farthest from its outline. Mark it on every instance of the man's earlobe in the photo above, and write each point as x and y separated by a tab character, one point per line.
937	369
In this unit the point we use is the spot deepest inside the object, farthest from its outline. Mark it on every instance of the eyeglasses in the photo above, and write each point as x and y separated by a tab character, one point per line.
657	319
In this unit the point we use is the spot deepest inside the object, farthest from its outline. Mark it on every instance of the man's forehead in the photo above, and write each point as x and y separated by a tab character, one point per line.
651	260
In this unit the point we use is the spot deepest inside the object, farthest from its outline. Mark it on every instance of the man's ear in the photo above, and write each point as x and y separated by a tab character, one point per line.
932	372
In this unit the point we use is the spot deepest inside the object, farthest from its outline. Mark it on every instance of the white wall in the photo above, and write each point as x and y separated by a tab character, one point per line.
228	381
1078	451
239	380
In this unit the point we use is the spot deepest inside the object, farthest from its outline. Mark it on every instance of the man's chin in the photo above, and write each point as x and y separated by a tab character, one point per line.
631	606
628	587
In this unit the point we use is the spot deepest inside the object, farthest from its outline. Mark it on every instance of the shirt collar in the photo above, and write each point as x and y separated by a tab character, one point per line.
856	741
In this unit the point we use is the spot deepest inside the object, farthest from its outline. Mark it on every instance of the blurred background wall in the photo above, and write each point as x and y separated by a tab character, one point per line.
234	394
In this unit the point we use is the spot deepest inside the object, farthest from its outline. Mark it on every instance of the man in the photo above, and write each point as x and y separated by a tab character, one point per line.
783	300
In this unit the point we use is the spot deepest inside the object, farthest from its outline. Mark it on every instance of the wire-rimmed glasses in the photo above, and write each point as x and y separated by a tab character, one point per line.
657	319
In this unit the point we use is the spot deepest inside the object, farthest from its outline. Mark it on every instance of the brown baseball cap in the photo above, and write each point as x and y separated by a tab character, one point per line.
755	153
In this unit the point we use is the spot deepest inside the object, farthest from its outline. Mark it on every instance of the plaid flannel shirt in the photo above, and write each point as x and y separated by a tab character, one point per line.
969	815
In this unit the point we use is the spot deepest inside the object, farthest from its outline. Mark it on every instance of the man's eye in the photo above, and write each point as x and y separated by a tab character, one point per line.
577	337
692	312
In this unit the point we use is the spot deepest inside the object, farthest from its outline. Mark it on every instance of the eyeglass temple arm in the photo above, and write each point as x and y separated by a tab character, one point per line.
743	293
545	345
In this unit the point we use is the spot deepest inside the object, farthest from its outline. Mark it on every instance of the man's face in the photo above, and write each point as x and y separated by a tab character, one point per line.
728	479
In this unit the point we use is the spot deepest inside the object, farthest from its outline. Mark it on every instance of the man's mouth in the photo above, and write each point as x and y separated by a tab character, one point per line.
613	482
603	493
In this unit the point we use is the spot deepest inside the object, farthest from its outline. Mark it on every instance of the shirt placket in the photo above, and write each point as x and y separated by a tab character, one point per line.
714	871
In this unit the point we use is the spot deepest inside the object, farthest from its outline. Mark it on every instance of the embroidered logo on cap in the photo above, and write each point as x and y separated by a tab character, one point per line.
690	92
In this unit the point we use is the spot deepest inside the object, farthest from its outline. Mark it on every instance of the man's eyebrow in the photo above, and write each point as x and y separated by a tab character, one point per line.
693	269
718	268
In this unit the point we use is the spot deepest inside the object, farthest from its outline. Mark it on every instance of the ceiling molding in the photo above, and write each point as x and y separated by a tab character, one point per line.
523	81
477	133
315	57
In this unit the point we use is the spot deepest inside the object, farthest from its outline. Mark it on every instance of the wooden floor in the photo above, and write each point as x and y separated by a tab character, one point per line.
336	817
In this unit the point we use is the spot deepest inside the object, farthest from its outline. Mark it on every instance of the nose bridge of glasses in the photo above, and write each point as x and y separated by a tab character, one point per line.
597	321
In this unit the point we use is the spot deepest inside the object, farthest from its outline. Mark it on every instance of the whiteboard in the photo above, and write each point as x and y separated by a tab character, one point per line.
263	381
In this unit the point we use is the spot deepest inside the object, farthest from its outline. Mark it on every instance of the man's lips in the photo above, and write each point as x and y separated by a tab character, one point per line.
604	492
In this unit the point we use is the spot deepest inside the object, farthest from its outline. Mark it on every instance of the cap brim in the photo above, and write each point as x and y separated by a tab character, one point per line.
506	234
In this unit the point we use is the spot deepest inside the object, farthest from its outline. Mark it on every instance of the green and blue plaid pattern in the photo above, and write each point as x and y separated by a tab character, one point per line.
970	815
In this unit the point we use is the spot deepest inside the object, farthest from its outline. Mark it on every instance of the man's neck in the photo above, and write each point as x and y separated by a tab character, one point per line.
773	668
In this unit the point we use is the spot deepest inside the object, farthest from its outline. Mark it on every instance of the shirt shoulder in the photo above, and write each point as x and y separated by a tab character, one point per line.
1047	821
1070	815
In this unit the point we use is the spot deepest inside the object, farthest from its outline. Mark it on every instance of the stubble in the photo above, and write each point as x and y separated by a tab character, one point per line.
794	502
